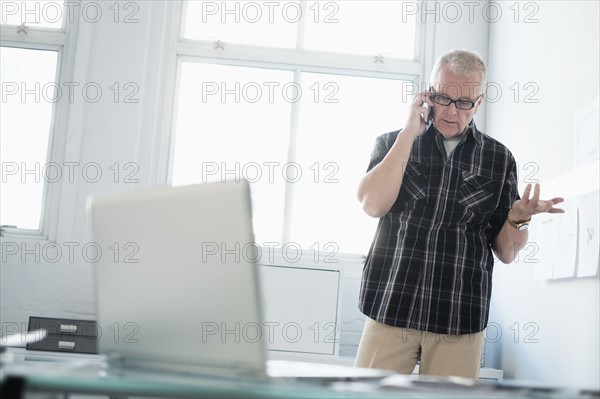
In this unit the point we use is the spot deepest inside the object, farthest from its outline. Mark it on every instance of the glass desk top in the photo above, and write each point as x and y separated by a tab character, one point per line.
31	372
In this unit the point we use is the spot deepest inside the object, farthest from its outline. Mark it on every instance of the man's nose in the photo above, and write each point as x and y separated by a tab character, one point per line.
452	109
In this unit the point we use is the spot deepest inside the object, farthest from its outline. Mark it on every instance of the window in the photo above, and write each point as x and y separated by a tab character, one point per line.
354	27
291	96
24	139
220	134
32	54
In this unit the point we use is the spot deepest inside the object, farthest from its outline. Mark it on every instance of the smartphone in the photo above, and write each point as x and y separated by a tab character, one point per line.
430	108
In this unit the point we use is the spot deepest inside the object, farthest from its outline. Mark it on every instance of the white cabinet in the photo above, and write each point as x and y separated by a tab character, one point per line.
301	309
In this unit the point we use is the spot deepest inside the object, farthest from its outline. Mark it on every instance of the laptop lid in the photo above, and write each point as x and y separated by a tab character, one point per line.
176	284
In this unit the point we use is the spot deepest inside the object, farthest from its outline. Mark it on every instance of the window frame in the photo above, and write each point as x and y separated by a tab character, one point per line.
296	60
63	41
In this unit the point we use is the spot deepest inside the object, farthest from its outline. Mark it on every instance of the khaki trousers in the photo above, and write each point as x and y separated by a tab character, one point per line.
395	348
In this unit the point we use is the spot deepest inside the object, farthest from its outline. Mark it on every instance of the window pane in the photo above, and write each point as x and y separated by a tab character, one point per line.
361	27
263	23
27	78
335	140
234	122
39	13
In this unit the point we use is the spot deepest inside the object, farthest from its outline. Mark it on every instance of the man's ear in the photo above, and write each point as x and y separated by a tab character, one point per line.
478	102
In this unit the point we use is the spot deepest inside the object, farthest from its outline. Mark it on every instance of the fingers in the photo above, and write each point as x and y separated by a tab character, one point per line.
553	202
419	113
422	97
536	193
548	206
542	206
428	100
422	105
530	206
424	112
533	205
525	196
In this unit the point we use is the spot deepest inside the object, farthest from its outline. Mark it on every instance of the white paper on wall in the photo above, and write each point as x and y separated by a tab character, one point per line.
565	255
543	235
588	253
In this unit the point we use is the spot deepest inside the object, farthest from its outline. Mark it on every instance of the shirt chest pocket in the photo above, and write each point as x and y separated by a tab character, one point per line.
478	194
414	183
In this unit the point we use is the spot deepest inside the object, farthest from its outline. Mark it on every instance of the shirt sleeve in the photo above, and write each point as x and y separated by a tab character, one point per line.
383	144
508	195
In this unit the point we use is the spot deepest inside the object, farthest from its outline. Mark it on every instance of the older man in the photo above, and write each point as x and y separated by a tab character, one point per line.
447	198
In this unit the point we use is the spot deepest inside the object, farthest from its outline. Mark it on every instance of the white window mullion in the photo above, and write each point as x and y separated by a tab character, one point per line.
358	64
294	117
33	37
50	191
289	186
169	161
335	70
301	26
58	132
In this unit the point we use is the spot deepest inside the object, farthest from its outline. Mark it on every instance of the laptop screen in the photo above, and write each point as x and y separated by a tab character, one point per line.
176	282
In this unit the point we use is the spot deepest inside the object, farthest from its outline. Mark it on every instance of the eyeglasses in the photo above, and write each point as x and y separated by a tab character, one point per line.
460	104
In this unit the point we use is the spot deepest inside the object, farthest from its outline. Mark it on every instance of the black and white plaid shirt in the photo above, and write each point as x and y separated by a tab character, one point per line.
430	265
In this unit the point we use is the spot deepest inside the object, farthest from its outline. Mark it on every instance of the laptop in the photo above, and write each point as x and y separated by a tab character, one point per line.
177	286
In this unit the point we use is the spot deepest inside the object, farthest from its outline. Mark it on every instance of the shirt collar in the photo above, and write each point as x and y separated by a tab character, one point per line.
470	131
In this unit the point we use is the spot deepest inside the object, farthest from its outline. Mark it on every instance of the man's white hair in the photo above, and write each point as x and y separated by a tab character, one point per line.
461	62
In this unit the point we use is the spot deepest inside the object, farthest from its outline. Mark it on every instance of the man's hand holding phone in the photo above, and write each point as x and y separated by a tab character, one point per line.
420	113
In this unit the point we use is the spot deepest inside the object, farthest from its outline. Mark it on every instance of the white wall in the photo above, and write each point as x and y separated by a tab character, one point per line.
558	54
104	132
